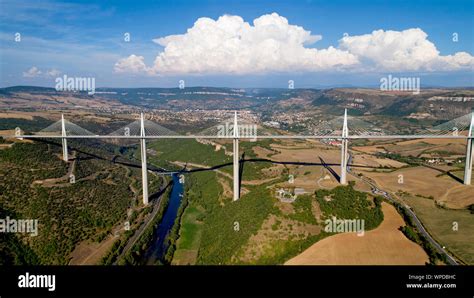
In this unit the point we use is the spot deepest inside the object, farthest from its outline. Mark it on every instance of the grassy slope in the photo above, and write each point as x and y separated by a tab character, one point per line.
440	221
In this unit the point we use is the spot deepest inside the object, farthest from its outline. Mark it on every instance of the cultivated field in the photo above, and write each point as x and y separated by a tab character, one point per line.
425	181
416	147
385	245
190	239
440	223
372	161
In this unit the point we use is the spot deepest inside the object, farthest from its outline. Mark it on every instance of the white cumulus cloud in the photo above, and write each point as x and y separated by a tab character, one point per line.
133	64
32	72
53	72
407	50
229	45
35	72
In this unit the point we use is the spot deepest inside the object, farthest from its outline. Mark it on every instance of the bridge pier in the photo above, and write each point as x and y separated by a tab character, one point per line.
469	154
236	189
344	145
143	158
63	139
236	169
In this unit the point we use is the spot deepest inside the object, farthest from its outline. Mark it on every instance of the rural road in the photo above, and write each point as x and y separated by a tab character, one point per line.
377	191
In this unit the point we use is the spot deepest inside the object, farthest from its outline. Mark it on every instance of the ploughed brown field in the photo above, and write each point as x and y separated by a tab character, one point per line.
385	245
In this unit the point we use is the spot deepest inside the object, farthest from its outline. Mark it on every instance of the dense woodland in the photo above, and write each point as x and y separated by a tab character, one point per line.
68	213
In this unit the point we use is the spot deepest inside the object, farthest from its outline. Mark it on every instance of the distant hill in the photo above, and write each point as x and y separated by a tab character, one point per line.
9	90
433	103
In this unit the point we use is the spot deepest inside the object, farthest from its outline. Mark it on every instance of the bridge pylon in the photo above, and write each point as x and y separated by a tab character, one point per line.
63	139
235	156
344	144
469	153
143	159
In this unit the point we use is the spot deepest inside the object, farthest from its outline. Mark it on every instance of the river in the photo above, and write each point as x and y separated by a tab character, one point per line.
158	248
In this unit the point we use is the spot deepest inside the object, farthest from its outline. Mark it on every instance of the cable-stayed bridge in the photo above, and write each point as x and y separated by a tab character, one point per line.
343	128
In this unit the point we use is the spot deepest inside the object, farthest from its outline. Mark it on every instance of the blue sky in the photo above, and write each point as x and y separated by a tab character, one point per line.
85	38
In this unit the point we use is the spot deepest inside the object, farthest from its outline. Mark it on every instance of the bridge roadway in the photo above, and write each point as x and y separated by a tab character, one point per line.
350	137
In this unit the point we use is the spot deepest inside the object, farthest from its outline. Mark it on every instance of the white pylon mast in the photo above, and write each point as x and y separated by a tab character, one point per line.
64	140
143	157
344	143
469	153
236	159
